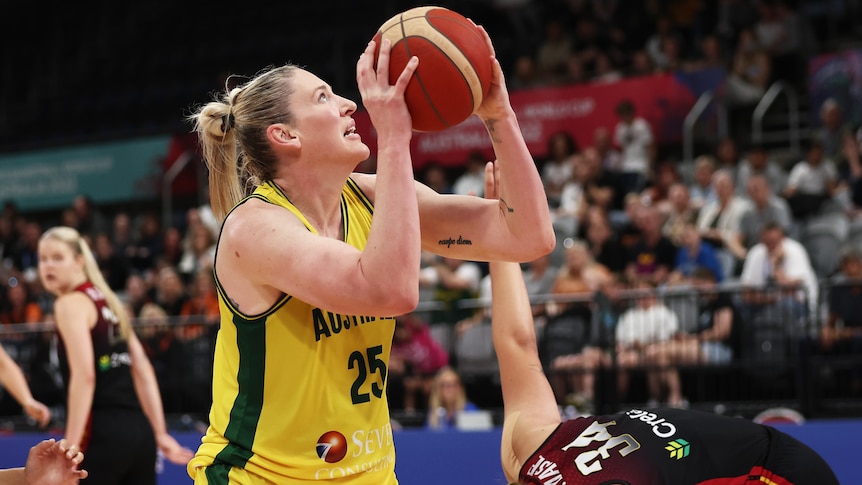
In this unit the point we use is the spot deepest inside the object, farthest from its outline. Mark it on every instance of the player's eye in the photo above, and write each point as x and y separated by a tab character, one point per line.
323	97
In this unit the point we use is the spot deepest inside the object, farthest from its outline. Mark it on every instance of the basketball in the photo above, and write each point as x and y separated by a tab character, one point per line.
454	72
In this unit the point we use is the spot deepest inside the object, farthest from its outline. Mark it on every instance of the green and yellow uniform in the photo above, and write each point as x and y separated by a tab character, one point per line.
299	392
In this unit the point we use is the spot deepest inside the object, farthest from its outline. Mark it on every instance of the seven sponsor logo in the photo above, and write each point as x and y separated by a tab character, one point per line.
331	446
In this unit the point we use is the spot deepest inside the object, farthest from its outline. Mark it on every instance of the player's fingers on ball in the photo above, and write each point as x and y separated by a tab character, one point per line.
487	40
365	62
406	74
383	60
78	458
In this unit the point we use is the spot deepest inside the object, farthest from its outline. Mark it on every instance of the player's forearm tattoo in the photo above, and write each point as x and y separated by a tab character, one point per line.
490	126
448	242
505	207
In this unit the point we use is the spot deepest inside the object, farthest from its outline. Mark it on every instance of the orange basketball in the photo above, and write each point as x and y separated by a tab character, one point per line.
454	71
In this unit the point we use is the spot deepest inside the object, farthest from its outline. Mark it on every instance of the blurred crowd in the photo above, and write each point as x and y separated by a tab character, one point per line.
631	219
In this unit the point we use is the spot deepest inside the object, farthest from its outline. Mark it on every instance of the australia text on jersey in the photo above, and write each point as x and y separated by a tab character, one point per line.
327	323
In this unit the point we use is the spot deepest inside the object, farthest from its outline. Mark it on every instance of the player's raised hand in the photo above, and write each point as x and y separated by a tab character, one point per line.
384	101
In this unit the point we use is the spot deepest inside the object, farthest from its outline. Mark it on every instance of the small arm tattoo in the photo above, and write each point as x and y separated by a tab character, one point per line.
504	205
448	242
490	126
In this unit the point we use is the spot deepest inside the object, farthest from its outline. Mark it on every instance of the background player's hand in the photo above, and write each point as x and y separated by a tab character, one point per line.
38	411
385	102
54	463
495	105
173	451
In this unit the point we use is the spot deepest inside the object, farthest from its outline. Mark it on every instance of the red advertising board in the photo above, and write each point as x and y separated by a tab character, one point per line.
664	100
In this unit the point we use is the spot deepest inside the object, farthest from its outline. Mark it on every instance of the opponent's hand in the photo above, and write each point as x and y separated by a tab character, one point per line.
54	463
174	452
384	101
495	105
38	411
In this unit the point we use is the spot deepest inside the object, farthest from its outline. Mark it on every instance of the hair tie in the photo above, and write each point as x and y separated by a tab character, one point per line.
227	122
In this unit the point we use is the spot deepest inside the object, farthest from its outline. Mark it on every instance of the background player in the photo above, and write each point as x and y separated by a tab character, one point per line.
657	446
114	410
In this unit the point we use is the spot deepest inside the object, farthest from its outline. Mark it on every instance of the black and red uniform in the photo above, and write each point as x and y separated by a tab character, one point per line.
675	447
119	445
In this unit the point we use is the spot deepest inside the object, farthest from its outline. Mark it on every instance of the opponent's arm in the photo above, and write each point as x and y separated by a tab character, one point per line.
74	313
147	389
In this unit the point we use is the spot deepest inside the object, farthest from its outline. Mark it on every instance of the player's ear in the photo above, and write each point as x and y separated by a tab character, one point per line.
282	135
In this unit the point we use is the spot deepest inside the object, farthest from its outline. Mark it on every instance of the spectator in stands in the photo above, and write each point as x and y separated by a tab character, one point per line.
25	255
679	212
832	130
653	257
642	64
472	181
600	183
579	275
841	333
558	167
751	71
202	303
525	74
712	341
764	207
718	221
604	145
779	34
553	52
539	277
146	250
173	247
657	42
604	248
693	254
171	293
758	162
811	182
452	280
727	155
605	70
701	190
138	294
656	191
414	360
199	254
576	70
435	176
447	399
634	136
852	172
771	268
19	306
646	323
577	281
573	199
91	221
711	55
121	235
115	267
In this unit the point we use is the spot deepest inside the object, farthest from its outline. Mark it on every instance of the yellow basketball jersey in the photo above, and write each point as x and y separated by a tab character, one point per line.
299	392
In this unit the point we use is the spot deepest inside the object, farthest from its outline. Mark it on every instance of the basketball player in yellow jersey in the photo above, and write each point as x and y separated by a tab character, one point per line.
315	264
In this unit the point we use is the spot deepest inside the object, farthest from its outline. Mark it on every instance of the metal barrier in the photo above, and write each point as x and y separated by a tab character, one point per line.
775	360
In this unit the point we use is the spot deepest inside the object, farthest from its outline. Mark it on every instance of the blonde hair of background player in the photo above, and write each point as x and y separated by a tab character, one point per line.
71	309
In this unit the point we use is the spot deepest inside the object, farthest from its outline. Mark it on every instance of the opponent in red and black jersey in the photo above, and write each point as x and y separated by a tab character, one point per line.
670	446
114	386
